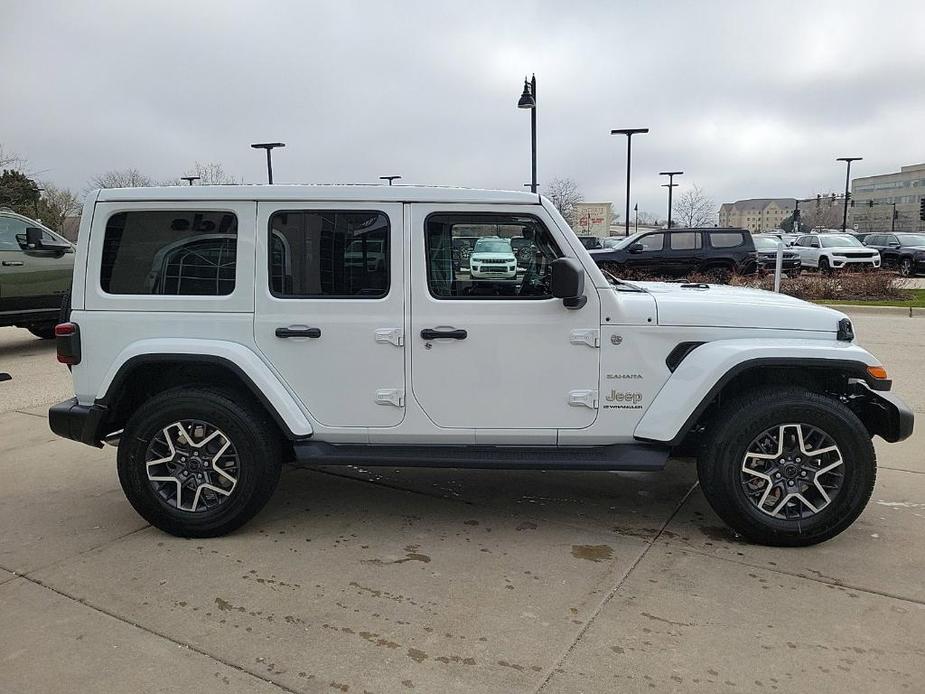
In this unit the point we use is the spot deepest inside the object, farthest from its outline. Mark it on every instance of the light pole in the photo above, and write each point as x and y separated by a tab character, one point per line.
389	178
629	132
528	100
671	184
269	146
636	226
190	179
847	160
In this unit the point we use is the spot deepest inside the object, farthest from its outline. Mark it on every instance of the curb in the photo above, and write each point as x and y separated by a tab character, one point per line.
906	311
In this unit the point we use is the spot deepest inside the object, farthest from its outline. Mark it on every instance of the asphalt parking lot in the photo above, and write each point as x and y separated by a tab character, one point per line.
448	580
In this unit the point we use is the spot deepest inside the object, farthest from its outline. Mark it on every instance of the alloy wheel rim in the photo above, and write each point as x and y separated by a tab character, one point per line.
792	471
192	465
905	268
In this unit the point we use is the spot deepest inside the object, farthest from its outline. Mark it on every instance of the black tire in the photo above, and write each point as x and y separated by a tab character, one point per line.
824	265
905	267
254	435
741	420
46	331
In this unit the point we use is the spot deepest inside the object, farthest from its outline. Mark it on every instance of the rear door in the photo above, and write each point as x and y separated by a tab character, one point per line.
329	307
685	253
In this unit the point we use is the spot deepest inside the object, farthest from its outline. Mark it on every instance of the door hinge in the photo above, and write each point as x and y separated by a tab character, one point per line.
583	398
390	396
592	337
393	336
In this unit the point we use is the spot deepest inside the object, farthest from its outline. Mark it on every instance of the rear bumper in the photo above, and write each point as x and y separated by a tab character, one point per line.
77	422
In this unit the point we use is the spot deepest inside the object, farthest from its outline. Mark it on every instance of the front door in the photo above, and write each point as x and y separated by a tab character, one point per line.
490	347
329	307
31	280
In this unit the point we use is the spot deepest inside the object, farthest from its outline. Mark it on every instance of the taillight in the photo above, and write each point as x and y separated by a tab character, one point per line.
67	340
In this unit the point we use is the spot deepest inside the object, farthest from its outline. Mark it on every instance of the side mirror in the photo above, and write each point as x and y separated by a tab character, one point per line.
636	248
568	282
34	238
894	245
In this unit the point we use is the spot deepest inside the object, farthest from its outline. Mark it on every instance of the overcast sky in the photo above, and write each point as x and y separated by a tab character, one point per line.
749	98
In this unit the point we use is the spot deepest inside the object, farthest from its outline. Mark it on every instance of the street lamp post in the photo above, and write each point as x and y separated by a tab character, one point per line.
269	146
528	100
671	184
190	179
629	132
847	160
389	178
636	226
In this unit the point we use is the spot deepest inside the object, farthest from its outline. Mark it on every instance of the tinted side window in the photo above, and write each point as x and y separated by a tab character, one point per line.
685	241
9	228
331	254
652	242
488	256
727	239
169	253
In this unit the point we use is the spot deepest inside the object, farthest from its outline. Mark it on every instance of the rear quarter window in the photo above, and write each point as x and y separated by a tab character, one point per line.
727	239
184	252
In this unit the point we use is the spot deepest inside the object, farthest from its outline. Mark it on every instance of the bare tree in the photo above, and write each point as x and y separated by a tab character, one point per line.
11	160
211	174
56	205
825	212
564	194
694	208
121	178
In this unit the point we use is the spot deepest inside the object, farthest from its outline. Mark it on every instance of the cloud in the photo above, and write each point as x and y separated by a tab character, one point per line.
749	99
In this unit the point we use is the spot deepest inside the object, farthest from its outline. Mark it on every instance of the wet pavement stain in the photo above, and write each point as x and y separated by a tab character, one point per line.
417	655
527	525
594	553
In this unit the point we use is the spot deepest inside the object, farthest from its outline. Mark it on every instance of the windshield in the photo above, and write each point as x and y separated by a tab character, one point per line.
912	240
763	243
839	241
492	246
624	242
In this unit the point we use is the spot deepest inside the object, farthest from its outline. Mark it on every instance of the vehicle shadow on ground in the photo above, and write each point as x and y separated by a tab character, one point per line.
632	504
26	346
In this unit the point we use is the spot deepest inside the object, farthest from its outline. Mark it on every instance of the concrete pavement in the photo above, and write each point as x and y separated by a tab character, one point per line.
446	580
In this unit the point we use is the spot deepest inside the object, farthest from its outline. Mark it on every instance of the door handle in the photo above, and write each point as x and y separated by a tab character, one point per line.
443	334
298	331
12	263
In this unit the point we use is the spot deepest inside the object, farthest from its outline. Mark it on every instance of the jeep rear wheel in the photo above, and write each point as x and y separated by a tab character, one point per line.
787	467
196	462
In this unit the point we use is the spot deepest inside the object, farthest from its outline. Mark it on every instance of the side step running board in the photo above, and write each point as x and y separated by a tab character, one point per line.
639	457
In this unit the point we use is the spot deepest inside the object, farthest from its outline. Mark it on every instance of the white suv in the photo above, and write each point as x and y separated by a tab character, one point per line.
828	252
492	257
217	331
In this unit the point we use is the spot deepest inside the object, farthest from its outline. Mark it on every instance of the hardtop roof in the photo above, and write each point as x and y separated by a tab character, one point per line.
317	192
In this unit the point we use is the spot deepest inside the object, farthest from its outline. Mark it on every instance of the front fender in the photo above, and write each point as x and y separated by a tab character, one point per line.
705	370
251	368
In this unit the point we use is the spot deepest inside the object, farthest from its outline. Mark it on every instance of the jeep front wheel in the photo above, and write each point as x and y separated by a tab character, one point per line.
196	462
787	467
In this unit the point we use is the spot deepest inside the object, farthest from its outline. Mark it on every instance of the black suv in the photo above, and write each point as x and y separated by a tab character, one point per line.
682	251
900	250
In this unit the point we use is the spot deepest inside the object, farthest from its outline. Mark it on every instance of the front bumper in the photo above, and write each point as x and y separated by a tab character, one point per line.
839	262
77	422
885	414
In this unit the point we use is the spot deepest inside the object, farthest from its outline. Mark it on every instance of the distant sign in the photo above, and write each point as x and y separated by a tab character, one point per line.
593	219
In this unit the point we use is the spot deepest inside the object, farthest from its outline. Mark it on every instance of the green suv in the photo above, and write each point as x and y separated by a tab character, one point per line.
35	273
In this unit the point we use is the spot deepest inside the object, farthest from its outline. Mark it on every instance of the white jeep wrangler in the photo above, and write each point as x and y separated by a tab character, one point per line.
217	331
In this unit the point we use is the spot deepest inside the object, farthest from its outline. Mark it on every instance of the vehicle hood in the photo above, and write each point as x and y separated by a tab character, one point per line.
717	305
838	250
492	256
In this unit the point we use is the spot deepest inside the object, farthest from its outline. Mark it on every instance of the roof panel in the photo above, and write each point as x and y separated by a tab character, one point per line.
345	192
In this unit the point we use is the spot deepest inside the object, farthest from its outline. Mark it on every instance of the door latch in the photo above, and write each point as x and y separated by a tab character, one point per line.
390	396
591	337
393	336
583	398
